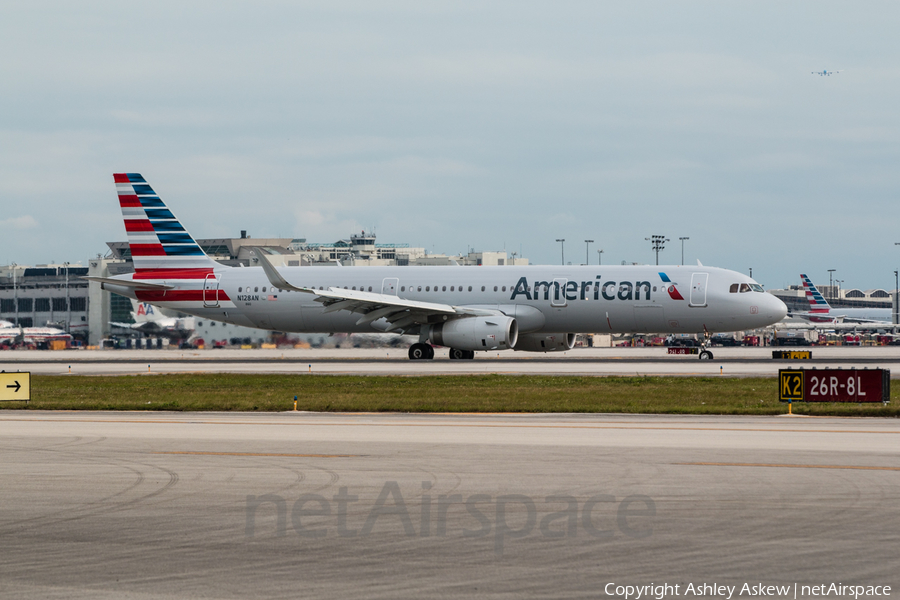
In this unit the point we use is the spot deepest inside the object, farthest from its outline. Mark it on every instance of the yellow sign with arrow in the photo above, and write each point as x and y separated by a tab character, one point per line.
15	386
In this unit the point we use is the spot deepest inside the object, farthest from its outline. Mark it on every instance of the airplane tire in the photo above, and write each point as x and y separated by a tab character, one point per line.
706	355
458	354
470	354
430	352
419	352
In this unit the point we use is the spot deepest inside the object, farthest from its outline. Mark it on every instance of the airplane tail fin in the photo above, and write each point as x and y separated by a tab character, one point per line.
144	312
161	247
817	302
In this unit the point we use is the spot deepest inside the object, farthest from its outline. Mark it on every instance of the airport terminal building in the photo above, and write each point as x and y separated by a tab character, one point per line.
45	295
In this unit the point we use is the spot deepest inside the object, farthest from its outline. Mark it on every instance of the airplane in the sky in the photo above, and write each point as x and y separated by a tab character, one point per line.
821	312
825	72
467	309
150	320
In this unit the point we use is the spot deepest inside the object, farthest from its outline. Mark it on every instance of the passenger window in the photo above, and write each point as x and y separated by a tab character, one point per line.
470	288
452	289
264	288
427	288
354	288
444	289
370	288
420	288
402	288
482	288
733	289
504	288
240	290
256	289
654	288
495	288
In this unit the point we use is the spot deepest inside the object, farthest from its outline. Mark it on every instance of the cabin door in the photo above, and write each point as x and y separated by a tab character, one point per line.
698	289
210	292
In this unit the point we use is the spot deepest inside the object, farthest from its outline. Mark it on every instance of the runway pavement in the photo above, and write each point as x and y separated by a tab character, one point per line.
582	361
288	505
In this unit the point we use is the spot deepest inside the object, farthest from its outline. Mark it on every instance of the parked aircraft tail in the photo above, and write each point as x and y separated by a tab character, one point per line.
817	302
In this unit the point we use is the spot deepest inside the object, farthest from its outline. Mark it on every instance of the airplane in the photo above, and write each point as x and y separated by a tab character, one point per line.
150	320
825	73
526	308
14	334
821	312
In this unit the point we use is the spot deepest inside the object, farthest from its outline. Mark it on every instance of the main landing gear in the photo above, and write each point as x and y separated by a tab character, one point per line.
426	352
421	352
456	354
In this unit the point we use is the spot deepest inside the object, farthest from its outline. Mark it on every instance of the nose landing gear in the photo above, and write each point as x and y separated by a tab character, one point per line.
704	353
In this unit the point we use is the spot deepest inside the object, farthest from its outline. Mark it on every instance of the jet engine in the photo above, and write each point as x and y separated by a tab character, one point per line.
545	342
476	333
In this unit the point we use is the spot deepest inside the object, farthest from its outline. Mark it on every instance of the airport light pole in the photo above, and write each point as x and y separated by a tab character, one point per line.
831	282
658	242
562	249
68	305
587	255
894	309
15	292
600	257
682	249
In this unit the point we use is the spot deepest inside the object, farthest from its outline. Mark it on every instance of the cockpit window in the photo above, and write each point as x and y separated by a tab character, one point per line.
756	287
734	288
745	287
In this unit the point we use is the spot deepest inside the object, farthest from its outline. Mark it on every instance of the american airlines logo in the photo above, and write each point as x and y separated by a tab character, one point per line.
584	290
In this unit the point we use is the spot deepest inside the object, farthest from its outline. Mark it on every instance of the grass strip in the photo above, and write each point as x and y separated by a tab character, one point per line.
467	393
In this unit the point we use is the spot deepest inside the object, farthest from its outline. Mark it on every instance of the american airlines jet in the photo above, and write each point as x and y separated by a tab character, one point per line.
468	309
821	312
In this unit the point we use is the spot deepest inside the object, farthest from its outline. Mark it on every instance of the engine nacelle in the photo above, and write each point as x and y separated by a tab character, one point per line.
476	333
545	342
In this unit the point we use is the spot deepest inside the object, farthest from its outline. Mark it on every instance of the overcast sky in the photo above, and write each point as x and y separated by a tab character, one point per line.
453	124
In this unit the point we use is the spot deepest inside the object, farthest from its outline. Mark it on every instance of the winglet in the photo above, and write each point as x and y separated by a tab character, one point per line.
274	276
699	264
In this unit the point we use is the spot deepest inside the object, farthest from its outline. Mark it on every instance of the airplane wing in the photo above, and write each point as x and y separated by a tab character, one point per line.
400	313
825	318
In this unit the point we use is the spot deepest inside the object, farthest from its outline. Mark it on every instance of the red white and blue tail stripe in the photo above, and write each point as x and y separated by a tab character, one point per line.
157	239
162	250
817	302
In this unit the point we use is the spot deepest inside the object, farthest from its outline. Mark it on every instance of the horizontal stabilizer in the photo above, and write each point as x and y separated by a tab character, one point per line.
134	285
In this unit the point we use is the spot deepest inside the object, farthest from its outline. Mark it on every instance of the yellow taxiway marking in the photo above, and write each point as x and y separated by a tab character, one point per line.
725	464
263	454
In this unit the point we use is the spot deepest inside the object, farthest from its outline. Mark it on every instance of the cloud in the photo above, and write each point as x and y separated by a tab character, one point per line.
23	222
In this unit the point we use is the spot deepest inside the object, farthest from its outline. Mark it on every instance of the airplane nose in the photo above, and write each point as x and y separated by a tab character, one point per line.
779	309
